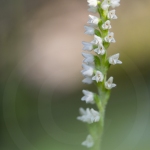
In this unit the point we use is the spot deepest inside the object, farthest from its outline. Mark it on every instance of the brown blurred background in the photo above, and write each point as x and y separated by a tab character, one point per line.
40	79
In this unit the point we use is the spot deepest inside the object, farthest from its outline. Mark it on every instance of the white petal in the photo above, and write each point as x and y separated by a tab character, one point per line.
82	111
93	21
89	58
85	92
100	50
87	80
92	9
88	97
98	76
87	55
116	56
86	67
119	62
109	83
83	98
97	50
95	115
89	115
88	142
105	5
89	30
97	40
92	3
94	78
106	25
88	72
94	112
113	40
114	59
115	3
113	85
110	38
110	80
112	15
97	79
112	3
87	46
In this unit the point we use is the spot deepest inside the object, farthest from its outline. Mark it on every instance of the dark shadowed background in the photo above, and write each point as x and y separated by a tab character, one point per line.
40	79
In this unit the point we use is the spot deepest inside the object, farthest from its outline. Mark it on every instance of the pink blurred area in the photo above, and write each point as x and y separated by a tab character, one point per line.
54	51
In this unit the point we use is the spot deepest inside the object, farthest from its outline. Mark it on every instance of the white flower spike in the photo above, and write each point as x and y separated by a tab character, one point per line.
89	142
107	3
93	21
87	80
87	70
112	15
89	58
109	84
100	50
89	30
110	38
96	64
106	25
89	115
98	76
87	46
88	97
113	60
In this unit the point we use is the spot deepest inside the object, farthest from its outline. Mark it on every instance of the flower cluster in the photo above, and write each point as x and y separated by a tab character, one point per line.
95	66
89	115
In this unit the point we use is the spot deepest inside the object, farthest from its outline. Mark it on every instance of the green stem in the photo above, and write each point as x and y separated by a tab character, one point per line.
96	129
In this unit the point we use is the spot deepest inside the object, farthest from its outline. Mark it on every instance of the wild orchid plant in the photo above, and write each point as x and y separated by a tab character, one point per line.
95	68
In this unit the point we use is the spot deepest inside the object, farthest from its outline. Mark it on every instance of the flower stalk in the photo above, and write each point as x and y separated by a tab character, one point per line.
95	68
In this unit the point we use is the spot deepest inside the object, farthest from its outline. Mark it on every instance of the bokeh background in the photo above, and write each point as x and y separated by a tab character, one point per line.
40	80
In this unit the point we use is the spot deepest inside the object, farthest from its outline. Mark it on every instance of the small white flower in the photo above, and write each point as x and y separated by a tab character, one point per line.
92	9
114	59
89	142
92	3
100	50
106	25
87	80
87	46
89	115
110	38
98	76
115	3
112	15
89	30
109	84
97	40
87	70
107	3
88	97
93	21
89	58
